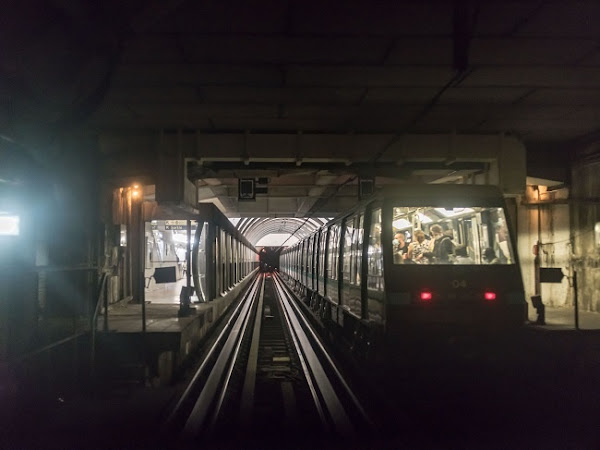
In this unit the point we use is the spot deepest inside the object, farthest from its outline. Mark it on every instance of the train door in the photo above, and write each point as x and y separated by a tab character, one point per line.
218	275
301	263
333	247
350	296
312	245
321	264
375	281
305	260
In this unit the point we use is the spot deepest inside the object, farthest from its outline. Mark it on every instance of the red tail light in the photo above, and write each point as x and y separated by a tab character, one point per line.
489	295
426	296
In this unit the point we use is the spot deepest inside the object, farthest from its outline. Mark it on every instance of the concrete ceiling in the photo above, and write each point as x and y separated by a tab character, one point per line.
530	69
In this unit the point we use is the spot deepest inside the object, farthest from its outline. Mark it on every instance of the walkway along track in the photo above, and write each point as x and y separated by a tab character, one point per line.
268	376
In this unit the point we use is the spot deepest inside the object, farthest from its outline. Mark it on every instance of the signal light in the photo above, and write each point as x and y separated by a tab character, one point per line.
489	295
426	296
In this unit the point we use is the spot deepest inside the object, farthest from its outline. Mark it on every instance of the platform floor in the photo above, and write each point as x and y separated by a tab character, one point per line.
160	318
162	307
564	319
166	293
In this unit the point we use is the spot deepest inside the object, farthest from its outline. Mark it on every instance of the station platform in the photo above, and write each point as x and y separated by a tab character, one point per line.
127	351
564	319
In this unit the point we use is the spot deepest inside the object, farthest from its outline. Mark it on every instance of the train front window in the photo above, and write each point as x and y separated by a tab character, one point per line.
459	235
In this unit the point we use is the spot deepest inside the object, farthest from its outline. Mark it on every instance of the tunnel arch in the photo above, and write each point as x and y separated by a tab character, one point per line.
255	228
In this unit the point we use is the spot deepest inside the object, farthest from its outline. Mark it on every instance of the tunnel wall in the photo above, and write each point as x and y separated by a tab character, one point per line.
585	213
552	211
48	283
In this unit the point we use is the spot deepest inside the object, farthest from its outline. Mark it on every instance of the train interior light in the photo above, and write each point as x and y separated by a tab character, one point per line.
423	218
9	225
451	212
401	224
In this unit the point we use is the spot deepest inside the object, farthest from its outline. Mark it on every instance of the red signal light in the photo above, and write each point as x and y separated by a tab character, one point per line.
489	295
426	296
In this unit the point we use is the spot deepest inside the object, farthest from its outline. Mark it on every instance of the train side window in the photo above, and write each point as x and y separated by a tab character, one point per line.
347	262
375	284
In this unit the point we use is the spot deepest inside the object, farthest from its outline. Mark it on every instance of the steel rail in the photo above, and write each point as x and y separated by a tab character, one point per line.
335	407
223	342
233	359
338	374
202	406
303	363
250	377
205	363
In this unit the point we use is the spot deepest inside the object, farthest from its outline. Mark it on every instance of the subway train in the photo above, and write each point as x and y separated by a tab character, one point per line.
410	259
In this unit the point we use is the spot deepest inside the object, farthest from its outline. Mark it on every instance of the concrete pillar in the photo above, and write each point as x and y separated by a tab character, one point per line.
137	249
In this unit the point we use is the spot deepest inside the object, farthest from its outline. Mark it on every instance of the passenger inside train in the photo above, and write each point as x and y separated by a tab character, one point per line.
437	234
400	247
418	247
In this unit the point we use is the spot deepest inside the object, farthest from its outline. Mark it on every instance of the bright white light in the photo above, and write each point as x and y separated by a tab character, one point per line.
453	212
9	225
401	223
180	238
276	239
423	218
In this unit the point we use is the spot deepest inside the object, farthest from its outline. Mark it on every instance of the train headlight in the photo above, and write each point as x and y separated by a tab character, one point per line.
426	296
489	295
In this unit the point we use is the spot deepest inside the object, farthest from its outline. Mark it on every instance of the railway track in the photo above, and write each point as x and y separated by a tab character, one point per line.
267	377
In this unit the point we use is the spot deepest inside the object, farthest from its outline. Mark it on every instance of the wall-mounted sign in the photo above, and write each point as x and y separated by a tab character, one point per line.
366	187
246	189
175	224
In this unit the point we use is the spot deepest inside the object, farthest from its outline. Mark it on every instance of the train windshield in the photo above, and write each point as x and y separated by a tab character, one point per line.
465	235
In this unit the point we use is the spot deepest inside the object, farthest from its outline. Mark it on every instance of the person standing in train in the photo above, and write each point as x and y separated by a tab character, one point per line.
400	247
418	247
442	245
489	256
